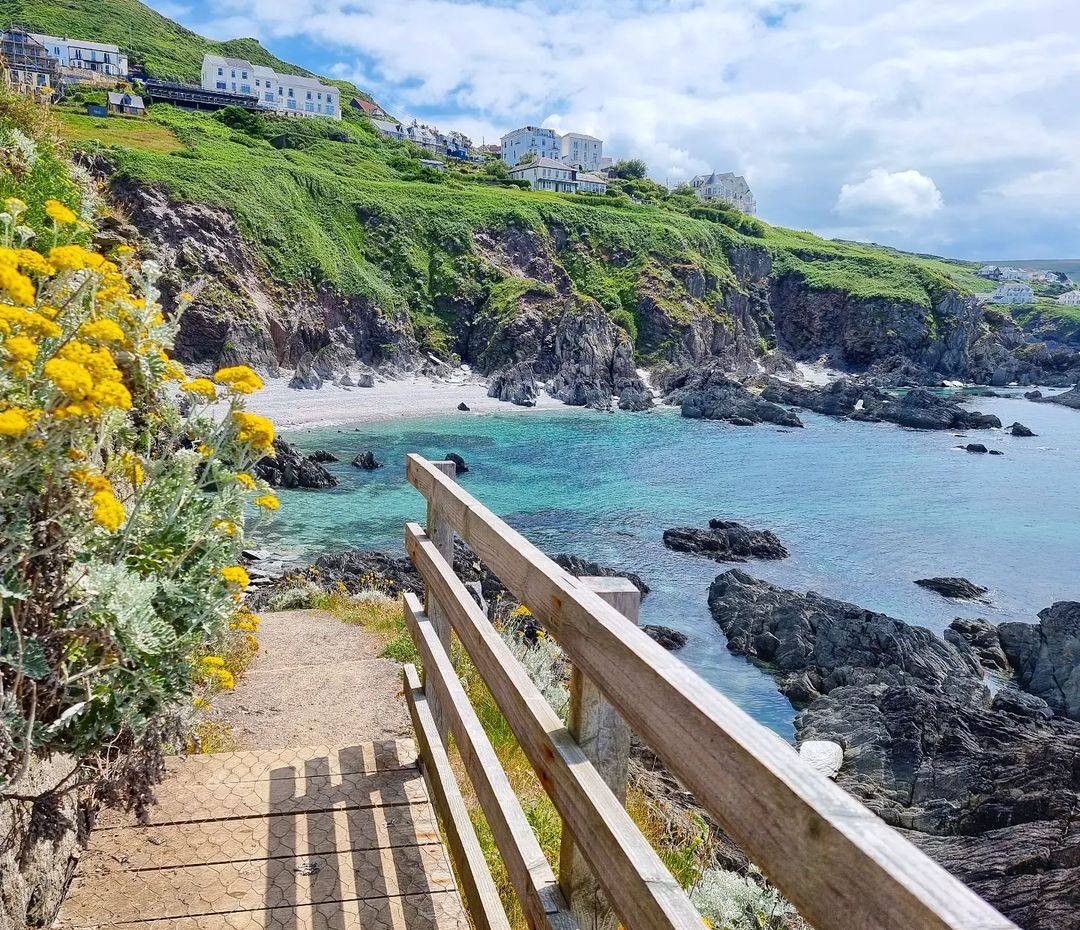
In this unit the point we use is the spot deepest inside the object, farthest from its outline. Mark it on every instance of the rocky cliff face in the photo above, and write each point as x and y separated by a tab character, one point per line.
514	303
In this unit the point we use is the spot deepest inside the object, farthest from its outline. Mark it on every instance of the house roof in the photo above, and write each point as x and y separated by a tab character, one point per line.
589	176
582	135
541	163
264	71
391	129
81	43
125	100
1073	293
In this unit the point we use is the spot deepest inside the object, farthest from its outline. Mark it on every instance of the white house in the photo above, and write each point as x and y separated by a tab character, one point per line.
79	55
547	174
1070	298
1012	293
589	183
728	187
1014	274
989	271
543	143
287	94
582	151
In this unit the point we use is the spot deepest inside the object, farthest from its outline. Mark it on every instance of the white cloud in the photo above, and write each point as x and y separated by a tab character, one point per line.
891	195
805	99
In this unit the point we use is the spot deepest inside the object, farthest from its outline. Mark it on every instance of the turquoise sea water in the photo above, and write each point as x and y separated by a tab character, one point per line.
864	509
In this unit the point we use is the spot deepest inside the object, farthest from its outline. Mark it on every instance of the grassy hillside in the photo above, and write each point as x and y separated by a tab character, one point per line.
169	50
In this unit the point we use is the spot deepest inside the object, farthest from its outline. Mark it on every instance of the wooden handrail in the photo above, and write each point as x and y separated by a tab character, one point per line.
840	865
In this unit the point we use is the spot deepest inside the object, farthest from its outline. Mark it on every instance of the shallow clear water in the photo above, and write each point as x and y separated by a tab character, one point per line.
864	509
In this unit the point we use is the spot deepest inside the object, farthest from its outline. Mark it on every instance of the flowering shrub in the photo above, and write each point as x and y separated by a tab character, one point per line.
121	511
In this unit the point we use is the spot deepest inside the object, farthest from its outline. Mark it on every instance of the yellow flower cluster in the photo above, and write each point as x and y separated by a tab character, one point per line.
246	481
201	387
59	213
104	330
235	576
239	379
213	669
245	621
14	422
89	378
256	431
19	319
17	285
267	502
108	512
21	352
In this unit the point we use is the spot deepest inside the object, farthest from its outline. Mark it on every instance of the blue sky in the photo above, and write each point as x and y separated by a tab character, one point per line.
948	126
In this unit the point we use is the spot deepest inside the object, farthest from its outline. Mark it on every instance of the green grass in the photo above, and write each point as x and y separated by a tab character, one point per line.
1048	320
168	49
117	130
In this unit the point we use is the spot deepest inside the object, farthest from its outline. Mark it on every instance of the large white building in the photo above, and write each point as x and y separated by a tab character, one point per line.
728	187
550	174
79	55
535	140
582	151
1070	298
288	94
1012	293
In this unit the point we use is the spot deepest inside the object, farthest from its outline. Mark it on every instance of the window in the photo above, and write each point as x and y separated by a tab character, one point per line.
310	107
269	96
309	95
245	88
292	104
290	91
221	85
233	74
243	74
220	72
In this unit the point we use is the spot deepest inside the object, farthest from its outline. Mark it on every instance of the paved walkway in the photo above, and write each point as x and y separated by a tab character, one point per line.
320	821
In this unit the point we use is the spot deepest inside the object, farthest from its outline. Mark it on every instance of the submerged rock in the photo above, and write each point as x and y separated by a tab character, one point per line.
1047	657
366	461
459	463
288	467
726	541
956	588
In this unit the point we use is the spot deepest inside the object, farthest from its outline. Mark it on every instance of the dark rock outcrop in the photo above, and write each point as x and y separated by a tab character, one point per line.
989	787
366	461
977	448
463	406
670	639
959	589
981	637
1018	429
459	463
710	394
515	385
322	456
1066	399
288	467
726	541
584	568
1033	395
1047	657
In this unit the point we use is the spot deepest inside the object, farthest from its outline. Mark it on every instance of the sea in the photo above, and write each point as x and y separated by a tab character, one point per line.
864	509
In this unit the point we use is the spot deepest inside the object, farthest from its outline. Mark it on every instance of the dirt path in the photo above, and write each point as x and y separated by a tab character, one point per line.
316	682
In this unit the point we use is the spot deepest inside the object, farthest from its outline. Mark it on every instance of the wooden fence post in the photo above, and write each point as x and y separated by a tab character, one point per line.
442	534
605	738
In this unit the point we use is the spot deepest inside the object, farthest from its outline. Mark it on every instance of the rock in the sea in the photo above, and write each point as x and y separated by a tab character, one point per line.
981	637
1033	395
463	406
959	589
1067	399
996	452
459	463
987	787
322	456
670	639
709	394
584	568
1047	657
288	467
515	385
975	447
635	397
838	398
726	541
1018	429
366	461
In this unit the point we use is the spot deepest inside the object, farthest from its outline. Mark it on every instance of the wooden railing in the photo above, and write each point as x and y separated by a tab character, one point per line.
841	866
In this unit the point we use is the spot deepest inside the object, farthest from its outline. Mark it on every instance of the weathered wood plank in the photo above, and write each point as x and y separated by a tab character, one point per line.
842	867
477	885
530	873
287	881
442	532
641	889
180	844
441	910
605	739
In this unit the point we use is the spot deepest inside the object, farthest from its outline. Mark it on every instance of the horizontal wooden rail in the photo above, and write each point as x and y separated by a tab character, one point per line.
637	882
481	895
529	871
841	866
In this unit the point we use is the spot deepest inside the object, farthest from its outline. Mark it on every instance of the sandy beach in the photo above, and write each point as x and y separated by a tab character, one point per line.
330	405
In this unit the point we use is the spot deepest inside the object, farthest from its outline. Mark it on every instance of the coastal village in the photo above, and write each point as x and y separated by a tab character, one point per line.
47	66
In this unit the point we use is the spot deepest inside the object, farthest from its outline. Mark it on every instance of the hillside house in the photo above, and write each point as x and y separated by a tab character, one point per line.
27	65
547	174
726	186
284	94
370	107
989	271
80	59
390	128
1012	292
582	151
534	140
589	183
126	104
1070	299
427	137
1014	274
491	148
458	145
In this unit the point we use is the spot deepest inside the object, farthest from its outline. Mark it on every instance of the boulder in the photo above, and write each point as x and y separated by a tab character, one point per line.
305	376
1033	395
288	467
1067	399
365	380
322	456
996	452
1018	429
635	397
726	541
823	755
1046	657
670	639
981	637
515	385
959	589
974	447
709	394
366	461
459	463
463	406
